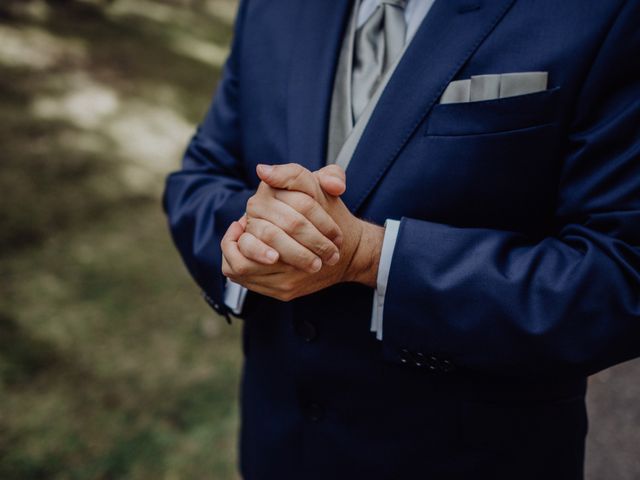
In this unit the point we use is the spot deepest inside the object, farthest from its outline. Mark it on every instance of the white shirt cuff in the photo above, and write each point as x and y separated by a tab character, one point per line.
388	245
234	296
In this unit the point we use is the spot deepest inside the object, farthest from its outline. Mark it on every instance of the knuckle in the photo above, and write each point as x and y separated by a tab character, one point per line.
325	249
251	225
300	175
295	223
305	204
251	204
268	234
295	168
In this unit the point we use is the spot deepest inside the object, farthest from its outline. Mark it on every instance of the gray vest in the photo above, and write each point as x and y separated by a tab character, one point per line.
343	136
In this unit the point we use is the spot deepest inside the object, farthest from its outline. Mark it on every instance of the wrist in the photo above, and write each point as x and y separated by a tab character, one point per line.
363	267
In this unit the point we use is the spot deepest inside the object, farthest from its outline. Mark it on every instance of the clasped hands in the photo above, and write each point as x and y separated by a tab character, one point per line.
297	236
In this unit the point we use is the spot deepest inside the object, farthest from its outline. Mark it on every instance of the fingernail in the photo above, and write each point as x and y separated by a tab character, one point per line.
338	241
316	265
272	255
334	259
265	169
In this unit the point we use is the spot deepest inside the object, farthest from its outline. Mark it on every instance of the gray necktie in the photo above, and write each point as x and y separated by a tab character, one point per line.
378	43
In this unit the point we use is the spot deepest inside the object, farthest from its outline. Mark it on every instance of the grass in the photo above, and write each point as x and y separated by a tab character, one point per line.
111	366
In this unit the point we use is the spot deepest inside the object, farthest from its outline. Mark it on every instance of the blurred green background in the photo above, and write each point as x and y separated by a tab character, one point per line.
111	366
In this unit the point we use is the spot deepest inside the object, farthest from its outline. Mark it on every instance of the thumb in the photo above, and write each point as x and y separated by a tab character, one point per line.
332	179
290	176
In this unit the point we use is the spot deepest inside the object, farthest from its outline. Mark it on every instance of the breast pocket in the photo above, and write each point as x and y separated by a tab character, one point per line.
494	163
494	116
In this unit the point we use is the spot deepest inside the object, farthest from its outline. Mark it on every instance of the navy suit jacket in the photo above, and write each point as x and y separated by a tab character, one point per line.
516	272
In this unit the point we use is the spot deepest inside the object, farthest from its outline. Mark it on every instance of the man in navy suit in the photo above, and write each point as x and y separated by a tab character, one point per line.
427	214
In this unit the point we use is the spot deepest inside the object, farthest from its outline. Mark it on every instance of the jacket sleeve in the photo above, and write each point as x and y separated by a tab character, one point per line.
500	303
211	190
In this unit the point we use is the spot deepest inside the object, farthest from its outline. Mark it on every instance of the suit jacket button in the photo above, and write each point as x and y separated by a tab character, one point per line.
419	359
447	366
432	363
404	355
306	330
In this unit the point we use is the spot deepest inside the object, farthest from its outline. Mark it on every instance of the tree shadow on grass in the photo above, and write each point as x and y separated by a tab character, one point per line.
133	53
104	375
51	185
23	357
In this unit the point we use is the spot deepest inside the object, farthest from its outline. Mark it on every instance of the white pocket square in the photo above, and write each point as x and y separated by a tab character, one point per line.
491	87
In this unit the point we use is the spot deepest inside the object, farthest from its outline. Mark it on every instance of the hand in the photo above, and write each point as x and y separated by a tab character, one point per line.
293	227
359	252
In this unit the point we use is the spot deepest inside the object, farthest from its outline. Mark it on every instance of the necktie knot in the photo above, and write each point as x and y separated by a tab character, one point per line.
395	3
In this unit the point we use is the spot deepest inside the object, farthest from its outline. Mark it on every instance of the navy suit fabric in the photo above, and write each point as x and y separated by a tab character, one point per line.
516	272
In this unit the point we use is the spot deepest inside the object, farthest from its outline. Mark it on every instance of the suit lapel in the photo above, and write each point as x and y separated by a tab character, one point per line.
320	28
448	36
